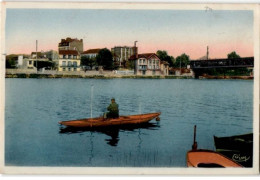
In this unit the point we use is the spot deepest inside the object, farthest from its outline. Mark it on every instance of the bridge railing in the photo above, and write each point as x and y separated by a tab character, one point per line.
239	62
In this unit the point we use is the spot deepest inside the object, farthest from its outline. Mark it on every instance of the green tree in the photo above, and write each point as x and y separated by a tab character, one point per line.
182	60
11	61
87	61
163	55
233	55
105	59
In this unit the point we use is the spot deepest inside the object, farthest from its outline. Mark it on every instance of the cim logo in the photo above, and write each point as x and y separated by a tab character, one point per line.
238	158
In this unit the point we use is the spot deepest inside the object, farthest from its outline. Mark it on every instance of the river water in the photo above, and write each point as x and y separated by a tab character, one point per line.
34	107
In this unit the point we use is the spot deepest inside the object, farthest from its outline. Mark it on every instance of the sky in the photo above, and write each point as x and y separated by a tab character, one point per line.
175	31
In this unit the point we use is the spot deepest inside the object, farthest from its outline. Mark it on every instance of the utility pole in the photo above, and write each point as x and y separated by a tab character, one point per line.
36	56
207	52
180	66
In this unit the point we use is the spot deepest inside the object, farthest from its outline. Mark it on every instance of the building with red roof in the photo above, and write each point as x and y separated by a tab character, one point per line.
149	64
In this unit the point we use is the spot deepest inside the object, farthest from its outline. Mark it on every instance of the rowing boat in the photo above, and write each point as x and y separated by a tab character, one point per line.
211	159
206	158
121	120
239	148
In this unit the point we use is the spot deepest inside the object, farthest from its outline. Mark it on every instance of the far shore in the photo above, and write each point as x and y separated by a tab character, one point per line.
54	76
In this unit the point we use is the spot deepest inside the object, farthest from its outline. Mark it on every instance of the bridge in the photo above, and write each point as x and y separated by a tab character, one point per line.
200	66
222	63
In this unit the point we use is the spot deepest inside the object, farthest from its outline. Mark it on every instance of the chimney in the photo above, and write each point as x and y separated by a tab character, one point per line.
136	50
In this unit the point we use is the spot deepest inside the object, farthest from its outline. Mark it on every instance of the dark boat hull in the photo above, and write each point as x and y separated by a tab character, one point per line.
238	148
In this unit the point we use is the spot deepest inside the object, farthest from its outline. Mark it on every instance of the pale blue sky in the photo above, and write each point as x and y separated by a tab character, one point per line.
176	31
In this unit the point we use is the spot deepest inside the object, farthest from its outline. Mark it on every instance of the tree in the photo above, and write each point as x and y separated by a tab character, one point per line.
233	55
11	61
163	55
182	60
87	61
105	59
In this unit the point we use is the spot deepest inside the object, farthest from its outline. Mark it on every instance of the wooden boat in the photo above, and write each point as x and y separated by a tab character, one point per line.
207	158
239	148
101	122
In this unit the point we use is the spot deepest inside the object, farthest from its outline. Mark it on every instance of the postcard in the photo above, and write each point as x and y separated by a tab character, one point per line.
129	88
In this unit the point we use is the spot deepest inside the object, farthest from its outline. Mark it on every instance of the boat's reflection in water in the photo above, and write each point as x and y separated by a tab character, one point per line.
112	131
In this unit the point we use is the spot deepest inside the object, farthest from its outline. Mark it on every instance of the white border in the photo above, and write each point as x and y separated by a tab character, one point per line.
136	171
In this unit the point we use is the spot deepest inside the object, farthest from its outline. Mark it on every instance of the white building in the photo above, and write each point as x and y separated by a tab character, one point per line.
69	60
149	64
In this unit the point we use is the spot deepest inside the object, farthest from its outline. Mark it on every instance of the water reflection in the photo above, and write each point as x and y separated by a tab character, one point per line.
113	132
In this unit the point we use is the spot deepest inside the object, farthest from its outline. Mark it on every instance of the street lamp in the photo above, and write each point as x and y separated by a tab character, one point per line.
180	66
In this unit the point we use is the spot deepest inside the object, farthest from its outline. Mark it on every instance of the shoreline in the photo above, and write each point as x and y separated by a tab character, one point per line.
59	76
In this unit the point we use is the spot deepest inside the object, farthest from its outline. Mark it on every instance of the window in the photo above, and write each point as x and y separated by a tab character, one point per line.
69	56
64	56
153	72
30	62
75	69
69	63
74	57
69	69
75	64
144	61
63	69
140	67
63	63
140	61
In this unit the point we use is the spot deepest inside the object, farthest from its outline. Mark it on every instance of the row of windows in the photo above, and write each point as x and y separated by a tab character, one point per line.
75	64
143	61
143	67
69	56
69	69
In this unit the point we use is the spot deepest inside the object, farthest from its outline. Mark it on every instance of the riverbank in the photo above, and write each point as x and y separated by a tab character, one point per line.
226	77
55	76
94	76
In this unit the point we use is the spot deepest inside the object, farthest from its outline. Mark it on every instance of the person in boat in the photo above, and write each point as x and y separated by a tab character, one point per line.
113	111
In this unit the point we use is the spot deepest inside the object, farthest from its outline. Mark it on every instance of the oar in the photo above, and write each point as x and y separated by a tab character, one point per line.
92	87
195	145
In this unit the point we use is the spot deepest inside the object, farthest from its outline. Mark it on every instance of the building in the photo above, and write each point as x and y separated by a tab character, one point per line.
164	68
91	53
149	64
122	54
69	54
69	60
71	44
52	55
38	55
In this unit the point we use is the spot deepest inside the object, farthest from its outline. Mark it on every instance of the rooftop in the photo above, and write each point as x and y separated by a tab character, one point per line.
91	51
145	55
68	52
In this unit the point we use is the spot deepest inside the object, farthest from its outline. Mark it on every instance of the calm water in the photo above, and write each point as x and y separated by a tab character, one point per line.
34	107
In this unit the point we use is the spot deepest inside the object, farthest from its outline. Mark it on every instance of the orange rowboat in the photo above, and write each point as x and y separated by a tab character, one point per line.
101	122
206	158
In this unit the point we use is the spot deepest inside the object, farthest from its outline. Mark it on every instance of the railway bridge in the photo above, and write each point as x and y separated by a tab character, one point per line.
201	66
